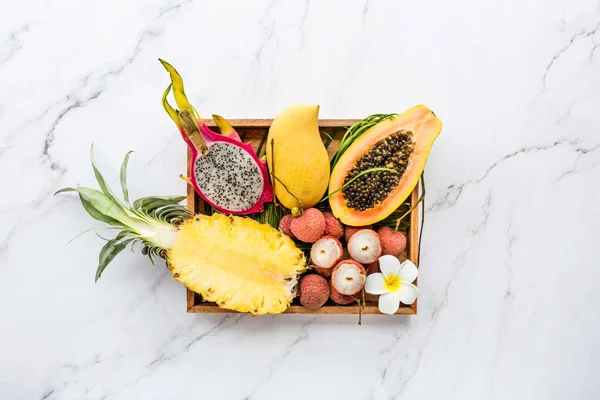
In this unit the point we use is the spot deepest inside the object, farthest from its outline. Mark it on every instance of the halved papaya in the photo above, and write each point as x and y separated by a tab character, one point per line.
402	144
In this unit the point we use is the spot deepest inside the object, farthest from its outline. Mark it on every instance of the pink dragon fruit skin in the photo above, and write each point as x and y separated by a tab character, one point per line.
225	172
211	137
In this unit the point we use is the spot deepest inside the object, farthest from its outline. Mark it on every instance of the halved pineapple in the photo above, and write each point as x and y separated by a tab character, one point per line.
237	262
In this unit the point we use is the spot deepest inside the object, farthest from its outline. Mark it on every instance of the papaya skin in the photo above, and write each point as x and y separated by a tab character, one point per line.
425	128
297	157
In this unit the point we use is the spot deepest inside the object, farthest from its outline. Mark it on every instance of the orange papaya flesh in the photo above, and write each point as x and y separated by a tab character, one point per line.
410	135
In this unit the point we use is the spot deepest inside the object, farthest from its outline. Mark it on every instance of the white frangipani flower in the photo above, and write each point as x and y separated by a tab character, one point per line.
393	284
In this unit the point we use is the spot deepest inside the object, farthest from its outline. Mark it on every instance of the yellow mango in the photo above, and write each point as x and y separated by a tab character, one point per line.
297	157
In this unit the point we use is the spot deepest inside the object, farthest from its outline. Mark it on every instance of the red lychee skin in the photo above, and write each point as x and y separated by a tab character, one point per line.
338	298
324	272
314	291
285	225
351	230
373	267
309	227
392	241
359	265
333	227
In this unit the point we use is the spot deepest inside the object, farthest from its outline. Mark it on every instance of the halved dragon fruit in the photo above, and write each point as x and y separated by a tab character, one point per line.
225	172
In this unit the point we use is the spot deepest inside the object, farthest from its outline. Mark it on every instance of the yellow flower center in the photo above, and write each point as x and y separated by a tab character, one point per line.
392	283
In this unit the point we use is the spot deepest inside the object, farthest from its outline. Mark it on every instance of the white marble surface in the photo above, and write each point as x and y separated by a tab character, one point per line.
509	273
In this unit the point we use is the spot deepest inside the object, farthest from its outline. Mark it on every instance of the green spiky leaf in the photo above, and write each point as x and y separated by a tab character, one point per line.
124	178
150	221
122	235
94	213
108	253
101	182
143	203
99	201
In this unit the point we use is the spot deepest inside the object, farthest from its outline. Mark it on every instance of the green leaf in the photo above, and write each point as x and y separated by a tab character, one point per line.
144	202
103	204
328	140
174	215
261	144
97	215
108	253
124	178
102	237
121	235
105	189
150	257
158	205
92	229
163	210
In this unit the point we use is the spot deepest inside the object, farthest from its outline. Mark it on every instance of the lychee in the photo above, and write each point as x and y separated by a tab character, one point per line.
364	246
373	267
324	272
326	252
333	226
392	241
351	230
314	291
338	298
348	277
285	225
308	227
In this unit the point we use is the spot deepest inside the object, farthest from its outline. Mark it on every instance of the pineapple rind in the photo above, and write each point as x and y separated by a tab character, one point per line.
237	262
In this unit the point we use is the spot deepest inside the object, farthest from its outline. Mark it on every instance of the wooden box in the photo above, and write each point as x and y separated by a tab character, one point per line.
253	130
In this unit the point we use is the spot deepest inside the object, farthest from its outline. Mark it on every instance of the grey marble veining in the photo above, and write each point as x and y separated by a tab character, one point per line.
509	271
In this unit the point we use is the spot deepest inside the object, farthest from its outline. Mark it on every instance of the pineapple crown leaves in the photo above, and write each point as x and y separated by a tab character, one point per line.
150	221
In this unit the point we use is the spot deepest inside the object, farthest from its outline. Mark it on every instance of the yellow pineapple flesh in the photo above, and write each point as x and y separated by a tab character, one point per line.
237	262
